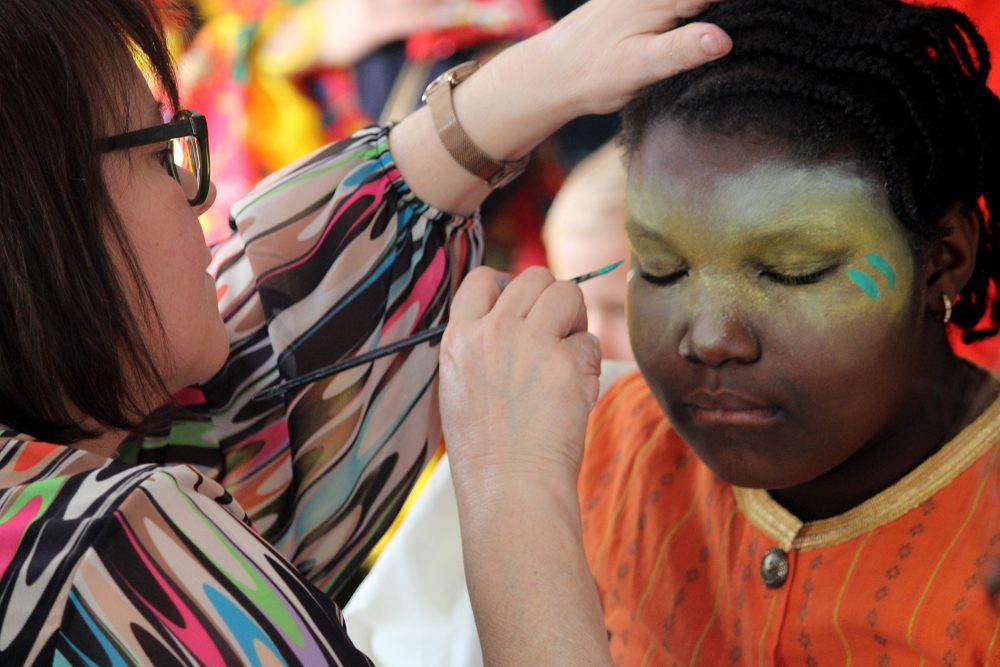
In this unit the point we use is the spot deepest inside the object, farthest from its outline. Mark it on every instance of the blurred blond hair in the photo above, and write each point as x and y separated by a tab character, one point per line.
592	200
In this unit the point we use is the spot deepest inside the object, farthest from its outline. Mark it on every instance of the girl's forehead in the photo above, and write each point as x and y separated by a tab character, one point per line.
678	174
769	184
770	202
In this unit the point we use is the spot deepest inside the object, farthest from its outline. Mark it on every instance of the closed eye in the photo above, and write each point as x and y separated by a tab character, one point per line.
796	279
668	279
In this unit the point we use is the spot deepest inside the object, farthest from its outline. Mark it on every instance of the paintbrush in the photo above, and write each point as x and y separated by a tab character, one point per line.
391	348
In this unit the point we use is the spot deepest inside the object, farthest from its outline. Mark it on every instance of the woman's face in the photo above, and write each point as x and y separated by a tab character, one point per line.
170	249
773	307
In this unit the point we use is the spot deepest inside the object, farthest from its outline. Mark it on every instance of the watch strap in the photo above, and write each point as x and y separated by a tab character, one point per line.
456	141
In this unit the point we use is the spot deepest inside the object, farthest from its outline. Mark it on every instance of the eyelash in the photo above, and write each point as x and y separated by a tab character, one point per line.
780	278
165	157
797	280
663	280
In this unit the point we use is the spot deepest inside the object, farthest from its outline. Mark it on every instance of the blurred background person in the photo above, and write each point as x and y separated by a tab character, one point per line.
585	228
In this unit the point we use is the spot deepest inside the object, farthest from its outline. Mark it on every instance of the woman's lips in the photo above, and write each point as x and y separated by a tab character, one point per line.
724	408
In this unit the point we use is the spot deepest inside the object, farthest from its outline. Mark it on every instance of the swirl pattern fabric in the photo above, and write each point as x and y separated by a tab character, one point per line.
144	560
146	565
334	256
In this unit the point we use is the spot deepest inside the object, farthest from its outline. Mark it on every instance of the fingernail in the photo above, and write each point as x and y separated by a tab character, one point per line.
713	44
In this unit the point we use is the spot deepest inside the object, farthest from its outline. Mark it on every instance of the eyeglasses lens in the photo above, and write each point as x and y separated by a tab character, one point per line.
187	158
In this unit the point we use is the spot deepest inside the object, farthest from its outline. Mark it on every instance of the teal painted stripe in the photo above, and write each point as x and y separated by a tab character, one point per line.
865	283
883	267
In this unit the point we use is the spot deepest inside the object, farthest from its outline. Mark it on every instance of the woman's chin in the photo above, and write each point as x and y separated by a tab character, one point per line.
218	353
210	357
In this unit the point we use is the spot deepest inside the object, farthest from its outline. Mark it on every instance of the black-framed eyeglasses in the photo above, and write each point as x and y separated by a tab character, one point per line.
187	134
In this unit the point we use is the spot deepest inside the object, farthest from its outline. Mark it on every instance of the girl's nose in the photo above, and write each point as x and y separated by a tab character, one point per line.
717	335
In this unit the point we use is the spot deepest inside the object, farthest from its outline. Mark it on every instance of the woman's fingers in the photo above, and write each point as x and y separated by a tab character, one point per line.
587	350
558	311
685	48
614	48
683	9
520	296
477	294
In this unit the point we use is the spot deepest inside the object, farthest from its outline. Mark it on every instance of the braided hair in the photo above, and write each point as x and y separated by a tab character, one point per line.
900	89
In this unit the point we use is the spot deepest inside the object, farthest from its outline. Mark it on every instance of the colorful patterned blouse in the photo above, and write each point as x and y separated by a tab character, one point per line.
146	560
694	571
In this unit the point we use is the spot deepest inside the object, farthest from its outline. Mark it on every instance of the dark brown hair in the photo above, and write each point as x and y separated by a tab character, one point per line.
898	88
72	349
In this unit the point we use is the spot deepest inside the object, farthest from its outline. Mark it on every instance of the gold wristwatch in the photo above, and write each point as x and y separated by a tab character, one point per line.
437	96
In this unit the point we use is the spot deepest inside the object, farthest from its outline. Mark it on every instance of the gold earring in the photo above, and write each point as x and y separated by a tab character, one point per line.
947	308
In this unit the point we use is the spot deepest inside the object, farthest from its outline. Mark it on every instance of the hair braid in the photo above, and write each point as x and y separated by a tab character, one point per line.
898	88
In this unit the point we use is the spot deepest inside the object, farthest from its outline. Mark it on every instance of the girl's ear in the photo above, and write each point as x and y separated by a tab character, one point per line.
952	258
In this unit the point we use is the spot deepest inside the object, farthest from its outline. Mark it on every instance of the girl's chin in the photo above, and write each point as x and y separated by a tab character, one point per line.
748	467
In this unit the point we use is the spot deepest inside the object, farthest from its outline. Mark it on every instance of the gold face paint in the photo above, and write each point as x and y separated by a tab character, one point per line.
773	227
745	287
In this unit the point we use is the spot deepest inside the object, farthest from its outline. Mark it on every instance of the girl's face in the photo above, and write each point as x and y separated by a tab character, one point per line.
773	307
170	248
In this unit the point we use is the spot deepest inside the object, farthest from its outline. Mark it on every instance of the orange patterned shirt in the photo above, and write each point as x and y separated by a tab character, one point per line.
692	570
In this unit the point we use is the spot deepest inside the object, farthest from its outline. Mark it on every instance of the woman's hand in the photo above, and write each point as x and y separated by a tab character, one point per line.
518	378
592	61
519	375
607	50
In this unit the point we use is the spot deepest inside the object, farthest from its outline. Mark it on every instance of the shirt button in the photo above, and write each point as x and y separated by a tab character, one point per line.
774	567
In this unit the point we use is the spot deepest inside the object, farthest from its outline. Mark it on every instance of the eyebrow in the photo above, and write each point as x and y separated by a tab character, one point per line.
634	227
158	108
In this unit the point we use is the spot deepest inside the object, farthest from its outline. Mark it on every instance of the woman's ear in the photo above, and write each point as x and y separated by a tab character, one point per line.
952	258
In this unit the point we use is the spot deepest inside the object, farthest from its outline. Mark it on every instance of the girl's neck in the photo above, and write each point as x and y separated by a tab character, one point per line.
950	397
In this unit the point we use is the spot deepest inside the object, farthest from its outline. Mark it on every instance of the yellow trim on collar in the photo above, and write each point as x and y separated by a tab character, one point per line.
915	488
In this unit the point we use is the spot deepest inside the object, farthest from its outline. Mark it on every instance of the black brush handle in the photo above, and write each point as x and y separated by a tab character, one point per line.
391	348
341	366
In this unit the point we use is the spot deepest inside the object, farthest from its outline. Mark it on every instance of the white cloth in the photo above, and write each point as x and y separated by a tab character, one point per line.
413	608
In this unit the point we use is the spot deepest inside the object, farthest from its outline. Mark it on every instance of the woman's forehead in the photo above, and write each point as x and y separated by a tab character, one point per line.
126	101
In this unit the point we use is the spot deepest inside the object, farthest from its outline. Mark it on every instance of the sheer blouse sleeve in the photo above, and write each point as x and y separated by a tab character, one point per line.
175	576
334	256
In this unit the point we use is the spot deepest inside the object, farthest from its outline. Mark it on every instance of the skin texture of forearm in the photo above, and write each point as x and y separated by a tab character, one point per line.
537	605
590	62
499	113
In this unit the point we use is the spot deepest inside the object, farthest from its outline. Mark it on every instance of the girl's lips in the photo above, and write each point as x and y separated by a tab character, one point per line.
726	408
728	417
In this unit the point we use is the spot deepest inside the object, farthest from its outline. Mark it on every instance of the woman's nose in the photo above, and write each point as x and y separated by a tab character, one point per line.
719	334
189	184
209	200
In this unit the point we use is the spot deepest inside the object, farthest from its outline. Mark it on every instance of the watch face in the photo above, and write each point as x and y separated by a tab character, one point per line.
508	173
453	77
459	73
